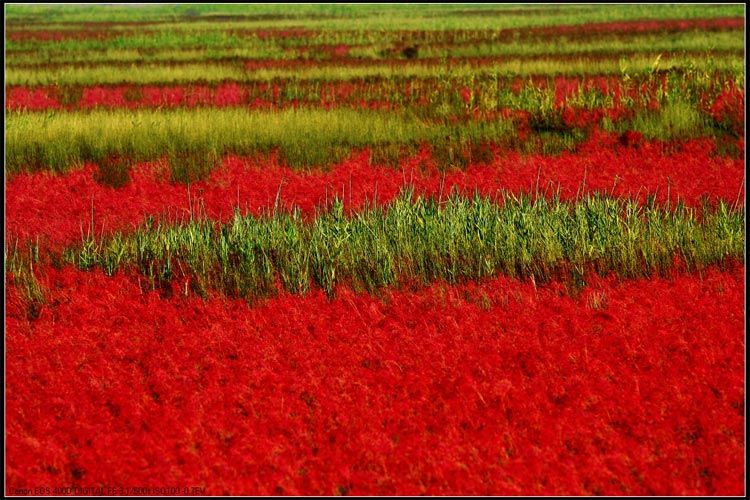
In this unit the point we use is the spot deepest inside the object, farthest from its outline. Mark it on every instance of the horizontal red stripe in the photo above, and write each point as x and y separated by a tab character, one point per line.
102	33
727	106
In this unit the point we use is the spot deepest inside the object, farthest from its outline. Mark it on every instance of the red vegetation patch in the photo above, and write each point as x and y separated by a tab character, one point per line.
58	208
632	27
33	99
491	388
357	93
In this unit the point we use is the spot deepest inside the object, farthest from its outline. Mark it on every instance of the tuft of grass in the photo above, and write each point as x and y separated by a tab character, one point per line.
598	301
675	121
19	266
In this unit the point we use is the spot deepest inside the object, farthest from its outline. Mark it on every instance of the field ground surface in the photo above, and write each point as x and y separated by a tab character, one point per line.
357	249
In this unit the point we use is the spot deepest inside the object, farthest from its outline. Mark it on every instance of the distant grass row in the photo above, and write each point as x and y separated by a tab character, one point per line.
366	17
186	73
378	49
418	241
194	139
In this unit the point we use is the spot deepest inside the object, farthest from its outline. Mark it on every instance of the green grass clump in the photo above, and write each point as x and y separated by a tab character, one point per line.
422	240
19	266
674	121
193	141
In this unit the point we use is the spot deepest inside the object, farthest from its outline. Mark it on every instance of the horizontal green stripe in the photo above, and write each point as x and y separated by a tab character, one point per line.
419	240
194	139
150	74
375	16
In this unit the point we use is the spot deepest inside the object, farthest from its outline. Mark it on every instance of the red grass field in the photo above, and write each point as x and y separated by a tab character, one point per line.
138	383
497	387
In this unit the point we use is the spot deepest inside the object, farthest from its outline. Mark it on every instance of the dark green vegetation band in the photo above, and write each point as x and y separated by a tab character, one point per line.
353	16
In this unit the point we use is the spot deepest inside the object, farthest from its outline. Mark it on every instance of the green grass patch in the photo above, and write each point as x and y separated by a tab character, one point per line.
674	121
416	240
194	139
385	17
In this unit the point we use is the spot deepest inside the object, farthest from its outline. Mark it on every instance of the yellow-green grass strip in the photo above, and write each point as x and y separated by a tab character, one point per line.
61	141
668	43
